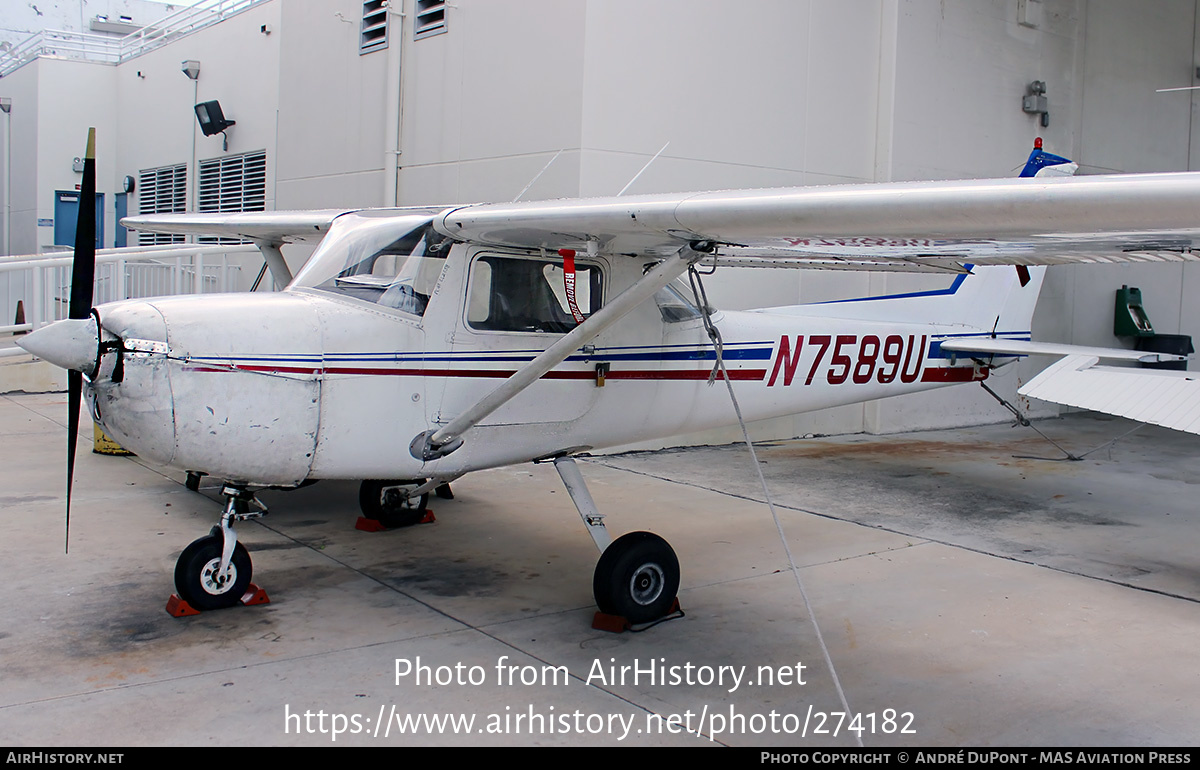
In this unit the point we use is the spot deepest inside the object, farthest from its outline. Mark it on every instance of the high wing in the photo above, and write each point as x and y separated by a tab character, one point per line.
910	226
266	226
915	226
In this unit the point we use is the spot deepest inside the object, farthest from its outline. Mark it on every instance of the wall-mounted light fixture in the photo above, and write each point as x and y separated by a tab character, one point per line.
212	119
1035	102
5	104
191	68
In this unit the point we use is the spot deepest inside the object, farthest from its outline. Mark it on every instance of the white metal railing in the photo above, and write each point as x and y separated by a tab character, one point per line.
42	284
89	46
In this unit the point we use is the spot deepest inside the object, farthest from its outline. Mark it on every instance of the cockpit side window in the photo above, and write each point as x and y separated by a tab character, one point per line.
529	295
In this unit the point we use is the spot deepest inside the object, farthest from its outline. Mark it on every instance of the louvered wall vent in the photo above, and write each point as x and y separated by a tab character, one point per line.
233	183
162	191
431	18
374	34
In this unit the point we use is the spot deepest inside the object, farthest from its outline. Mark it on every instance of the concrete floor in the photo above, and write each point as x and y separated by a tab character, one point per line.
999	601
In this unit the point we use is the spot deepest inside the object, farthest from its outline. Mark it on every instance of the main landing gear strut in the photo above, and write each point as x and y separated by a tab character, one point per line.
214	572
637	576
400	503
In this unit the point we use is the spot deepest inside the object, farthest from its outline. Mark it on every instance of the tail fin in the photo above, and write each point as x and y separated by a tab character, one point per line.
991	298
1042	163
998	298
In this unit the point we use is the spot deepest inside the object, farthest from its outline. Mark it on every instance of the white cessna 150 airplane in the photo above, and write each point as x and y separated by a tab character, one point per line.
420	344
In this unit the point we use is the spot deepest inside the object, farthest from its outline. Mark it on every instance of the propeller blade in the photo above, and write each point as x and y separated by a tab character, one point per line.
74	393
83	276
83	267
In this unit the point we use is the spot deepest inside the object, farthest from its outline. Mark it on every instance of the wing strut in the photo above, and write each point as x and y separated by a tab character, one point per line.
273	257
431	445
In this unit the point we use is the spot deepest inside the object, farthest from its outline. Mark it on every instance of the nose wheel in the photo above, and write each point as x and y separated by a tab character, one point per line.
214	572
200	580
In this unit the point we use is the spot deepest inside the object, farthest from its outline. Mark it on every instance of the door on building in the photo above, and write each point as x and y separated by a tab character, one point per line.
66	215
121	204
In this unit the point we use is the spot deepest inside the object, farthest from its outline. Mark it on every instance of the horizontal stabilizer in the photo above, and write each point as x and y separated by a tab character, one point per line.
1168	398
989	345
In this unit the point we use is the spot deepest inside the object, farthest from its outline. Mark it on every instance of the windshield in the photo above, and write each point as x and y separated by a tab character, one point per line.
386	258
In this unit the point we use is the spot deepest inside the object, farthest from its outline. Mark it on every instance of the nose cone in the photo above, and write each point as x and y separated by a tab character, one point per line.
71	344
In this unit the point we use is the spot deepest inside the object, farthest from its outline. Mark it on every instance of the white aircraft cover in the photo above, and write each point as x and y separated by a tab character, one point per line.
1157	396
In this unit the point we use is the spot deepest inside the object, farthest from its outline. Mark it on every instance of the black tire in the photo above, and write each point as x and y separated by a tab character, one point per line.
637	578
388	503
196	567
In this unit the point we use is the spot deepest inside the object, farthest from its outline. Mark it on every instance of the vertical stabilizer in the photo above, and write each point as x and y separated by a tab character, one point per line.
998	298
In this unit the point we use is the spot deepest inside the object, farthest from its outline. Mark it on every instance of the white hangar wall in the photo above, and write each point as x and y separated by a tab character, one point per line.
1123	124
21	158
763	93
332	108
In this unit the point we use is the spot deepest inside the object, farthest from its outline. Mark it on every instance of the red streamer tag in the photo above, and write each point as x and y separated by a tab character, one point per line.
568	256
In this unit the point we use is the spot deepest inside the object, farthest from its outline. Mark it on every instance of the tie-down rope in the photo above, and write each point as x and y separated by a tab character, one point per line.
719	367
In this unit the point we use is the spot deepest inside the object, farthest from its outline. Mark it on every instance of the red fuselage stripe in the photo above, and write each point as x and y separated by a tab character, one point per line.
953	374
935	374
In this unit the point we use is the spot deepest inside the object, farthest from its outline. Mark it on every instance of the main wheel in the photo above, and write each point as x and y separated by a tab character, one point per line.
637	577
391	503
196	577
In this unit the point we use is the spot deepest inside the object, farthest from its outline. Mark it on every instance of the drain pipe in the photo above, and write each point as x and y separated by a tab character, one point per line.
392	104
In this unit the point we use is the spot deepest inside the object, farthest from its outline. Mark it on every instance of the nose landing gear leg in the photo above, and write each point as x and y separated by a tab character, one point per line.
214	571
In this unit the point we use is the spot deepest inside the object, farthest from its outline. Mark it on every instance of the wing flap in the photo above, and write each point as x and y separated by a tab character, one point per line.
1160	397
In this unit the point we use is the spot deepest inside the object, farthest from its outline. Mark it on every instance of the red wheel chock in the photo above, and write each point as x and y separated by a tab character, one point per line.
254	596
178	608
372	525
615	624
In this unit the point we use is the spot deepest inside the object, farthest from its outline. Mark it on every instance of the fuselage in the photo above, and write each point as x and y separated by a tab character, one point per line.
326	380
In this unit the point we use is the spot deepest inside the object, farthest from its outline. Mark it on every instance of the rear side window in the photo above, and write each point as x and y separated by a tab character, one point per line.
514	294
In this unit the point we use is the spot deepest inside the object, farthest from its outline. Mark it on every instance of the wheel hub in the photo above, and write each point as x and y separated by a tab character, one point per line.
214	583
396	498
647	584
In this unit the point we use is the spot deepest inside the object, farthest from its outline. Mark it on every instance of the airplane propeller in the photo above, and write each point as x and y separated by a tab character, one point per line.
74	342
83	275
